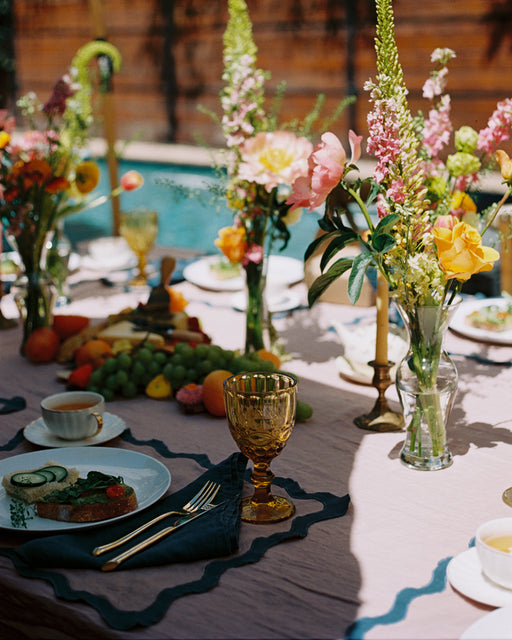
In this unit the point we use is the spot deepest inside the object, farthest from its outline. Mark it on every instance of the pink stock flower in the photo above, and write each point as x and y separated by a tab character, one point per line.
498	127
437	128
254	254
326	167
273	158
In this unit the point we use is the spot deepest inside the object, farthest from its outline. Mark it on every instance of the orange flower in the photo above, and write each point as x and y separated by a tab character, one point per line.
232	243
461	253
87	175
36	172
58	184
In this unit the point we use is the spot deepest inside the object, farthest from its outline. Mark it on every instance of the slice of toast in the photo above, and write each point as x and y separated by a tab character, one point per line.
97	497
31	494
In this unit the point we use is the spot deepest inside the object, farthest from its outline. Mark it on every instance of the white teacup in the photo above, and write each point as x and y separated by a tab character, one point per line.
73	415
492	541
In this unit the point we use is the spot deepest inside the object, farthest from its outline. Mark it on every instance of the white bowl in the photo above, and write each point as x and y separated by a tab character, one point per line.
496	564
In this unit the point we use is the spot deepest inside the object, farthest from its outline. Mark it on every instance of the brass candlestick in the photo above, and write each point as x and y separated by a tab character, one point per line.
381	418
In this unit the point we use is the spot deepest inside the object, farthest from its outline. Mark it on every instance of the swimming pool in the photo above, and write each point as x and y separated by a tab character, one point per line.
189	217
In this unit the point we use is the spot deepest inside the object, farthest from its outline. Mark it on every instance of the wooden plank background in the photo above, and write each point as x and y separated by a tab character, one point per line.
172	56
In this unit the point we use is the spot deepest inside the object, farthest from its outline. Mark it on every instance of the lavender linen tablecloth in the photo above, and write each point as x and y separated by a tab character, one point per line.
377	572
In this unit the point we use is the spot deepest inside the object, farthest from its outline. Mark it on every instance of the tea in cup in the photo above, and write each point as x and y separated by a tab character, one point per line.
73	415
493	543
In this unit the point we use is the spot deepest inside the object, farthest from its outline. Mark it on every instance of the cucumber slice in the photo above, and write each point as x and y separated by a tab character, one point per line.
49	475
59	472
28	479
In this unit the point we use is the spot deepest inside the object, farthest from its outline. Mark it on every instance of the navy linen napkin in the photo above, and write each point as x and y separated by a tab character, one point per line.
213	535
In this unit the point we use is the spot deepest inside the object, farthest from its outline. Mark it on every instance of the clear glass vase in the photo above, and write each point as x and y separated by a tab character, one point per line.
427	384
257	321
55	258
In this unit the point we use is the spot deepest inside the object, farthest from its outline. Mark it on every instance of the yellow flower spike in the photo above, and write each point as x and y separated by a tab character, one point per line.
87	175
505	164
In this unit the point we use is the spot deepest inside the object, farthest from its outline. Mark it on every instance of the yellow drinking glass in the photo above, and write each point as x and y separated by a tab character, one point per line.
260	408
139	228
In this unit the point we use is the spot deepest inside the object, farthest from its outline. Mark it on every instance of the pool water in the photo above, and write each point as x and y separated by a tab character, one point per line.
190	215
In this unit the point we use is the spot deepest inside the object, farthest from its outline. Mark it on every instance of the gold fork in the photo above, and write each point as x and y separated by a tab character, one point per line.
201	501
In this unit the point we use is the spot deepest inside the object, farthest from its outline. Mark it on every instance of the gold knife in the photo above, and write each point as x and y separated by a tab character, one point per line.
115	562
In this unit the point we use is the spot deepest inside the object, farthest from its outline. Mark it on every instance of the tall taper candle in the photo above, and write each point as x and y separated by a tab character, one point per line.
381	340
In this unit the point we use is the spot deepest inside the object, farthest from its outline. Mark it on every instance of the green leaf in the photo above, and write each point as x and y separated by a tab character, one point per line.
356	277
387	223
383	242
339	242
317	242
326	279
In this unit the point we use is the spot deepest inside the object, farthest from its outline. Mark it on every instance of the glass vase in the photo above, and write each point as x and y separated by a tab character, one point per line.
55	258
427	384
34	293
257	321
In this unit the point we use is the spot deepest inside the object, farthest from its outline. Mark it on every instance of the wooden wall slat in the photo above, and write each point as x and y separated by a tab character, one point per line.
300	41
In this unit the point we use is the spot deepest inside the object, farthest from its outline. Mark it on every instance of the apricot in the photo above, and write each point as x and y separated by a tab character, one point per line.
93	352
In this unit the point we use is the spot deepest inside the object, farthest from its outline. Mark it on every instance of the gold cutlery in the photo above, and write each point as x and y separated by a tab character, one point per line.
201	501
115	562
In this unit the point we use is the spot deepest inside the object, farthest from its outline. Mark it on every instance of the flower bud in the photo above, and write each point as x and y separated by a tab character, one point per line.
505	164
466	139
462	164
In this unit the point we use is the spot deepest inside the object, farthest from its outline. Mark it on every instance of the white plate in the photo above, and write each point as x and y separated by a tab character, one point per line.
464	573
288	301
149	478
38	433
496	625
459	324
282	270
109	254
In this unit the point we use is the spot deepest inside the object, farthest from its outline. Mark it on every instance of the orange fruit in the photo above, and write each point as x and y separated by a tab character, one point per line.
213	392
93	352
268	355
42	345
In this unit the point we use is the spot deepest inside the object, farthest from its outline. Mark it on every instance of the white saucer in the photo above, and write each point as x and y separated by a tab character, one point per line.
288	301
38	433
495	625
464	573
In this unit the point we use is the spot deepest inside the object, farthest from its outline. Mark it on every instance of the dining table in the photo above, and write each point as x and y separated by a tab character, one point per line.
374	550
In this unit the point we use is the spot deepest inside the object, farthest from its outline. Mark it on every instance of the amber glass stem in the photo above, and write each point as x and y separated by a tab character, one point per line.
262	478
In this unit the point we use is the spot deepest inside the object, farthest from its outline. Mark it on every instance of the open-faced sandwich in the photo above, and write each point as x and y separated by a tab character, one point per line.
58	493
99	496
32	485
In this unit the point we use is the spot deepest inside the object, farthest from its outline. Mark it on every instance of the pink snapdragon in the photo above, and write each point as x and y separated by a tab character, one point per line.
498	127
273	158
384	137
326	168
437	128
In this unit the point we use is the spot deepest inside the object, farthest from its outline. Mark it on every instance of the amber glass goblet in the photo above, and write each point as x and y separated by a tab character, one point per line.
260	407
139	228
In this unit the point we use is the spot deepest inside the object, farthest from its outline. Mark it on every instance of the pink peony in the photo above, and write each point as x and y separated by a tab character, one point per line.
273	158
326	167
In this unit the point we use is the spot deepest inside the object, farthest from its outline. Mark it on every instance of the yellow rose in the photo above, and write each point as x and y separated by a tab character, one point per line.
232	243
461	253
505	164
461	200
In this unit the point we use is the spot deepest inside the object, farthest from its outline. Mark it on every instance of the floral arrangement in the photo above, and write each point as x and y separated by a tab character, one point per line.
42	174
428	238
263	159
